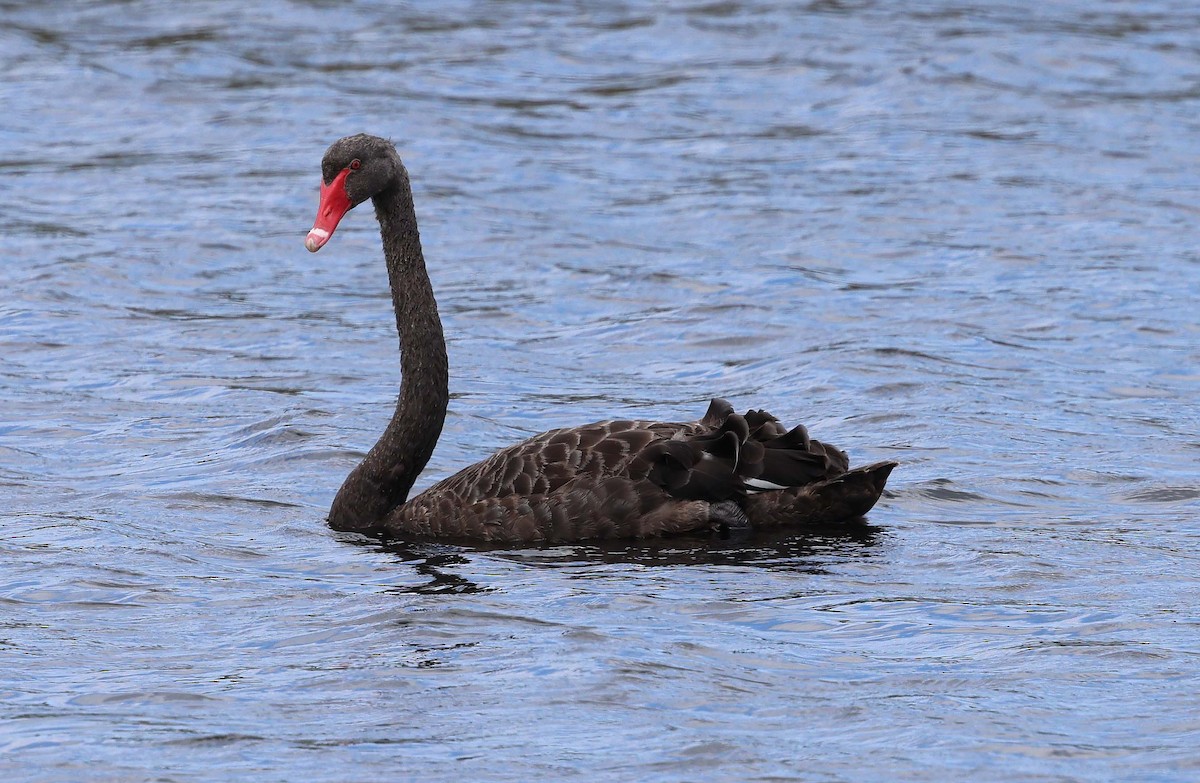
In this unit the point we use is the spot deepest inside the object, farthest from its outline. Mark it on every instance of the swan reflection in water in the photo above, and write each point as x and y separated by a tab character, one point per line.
778	550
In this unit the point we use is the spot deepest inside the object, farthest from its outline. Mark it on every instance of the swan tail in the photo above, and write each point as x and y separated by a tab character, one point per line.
840	499
770	471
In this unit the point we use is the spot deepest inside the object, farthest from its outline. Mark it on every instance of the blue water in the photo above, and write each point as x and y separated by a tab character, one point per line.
961	236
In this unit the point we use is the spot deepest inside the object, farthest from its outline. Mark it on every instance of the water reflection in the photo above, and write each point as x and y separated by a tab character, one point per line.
808	552
434	565
787	550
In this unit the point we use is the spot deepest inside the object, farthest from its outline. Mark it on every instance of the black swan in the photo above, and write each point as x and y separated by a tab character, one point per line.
611	479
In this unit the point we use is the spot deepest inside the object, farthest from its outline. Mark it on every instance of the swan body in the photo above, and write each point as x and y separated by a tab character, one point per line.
610	479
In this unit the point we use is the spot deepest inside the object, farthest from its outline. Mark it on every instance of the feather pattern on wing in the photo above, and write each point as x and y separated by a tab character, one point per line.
626	478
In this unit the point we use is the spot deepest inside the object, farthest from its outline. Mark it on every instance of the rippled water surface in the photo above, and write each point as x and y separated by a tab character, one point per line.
961	236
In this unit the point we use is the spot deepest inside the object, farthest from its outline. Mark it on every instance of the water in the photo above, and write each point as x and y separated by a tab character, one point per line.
960	236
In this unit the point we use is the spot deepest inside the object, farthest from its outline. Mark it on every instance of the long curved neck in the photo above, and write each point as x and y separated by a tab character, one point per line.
385	476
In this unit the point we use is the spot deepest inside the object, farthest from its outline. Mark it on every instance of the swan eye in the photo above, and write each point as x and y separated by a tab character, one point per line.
355	164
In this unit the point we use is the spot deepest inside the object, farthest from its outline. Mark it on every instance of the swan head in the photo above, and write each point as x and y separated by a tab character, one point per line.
353	170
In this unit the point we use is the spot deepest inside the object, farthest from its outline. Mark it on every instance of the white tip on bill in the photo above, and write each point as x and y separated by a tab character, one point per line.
316	238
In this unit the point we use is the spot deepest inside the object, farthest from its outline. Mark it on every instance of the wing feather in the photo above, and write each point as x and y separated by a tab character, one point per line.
637	478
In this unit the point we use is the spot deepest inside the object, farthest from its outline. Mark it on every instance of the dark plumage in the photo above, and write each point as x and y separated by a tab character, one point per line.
610	479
